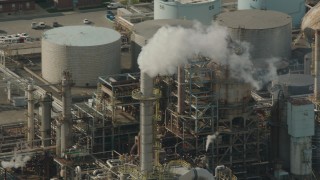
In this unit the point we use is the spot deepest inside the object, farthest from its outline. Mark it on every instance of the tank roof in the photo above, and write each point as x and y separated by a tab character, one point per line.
294	80
253	19
148	28
81	35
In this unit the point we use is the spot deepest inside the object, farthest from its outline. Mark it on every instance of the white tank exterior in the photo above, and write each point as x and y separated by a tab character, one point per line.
295	8
203	11
86	51
268	32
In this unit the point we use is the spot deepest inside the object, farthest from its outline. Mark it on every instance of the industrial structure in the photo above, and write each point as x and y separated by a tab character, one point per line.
75	48
200	122
202	11
295	8
256	26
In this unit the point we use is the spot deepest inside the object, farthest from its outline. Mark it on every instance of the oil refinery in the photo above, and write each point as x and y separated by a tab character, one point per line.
194	90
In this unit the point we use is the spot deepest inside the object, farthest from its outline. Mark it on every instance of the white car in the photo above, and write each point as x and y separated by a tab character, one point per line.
86	21
41	25
23	35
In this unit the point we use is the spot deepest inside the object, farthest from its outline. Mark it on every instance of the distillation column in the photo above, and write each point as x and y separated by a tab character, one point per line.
66	121
30	115
45	113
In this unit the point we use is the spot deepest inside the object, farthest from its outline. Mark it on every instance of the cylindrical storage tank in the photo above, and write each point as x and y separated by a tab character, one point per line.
295	8
85	51
268	32
201	10
295	84
143	31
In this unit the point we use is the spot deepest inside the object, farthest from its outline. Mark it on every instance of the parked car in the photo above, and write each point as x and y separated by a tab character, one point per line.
115	5
55	24
86	21
34	25
23	35
40	25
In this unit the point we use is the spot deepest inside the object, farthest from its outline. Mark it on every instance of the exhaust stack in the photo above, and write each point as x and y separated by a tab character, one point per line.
66	122
146	97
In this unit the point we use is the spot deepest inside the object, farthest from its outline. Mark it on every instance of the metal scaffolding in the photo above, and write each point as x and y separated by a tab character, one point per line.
239	142
110	119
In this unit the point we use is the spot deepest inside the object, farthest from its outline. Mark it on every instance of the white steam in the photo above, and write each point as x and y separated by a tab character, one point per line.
174	46
16	161
210	139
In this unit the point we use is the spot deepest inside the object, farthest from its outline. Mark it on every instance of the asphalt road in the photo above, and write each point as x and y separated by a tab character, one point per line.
22	23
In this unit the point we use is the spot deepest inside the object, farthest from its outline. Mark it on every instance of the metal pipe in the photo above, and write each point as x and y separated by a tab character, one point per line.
9	90
30	115
58	140
181	87
66	123
45	104
316	64
146	114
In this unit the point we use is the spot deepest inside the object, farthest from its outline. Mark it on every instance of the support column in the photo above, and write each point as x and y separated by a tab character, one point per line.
45	114
30	115
66	123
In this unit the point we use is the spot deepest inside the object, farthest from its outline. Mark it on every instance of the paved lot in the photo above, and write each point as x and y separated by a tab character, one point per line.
13	25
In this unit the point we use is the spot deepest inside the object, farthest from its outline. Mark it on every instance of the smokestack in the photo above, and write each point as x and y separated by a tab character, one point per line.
316	64
146	98
66	123
181	88
146	128
45	104
30	115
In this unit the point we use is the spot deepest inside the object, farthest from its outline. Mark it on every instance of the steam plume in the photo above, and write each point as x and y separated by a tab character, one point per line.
174	46
16	161
210	139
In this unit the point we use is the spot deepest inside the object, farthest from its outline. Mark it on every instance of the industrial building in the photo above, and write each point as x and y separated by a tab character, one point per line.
237	99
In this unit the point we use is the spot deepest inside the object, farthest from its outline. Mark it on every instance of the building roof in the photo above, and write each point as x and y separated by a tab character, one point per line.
253	19
294	80
81	35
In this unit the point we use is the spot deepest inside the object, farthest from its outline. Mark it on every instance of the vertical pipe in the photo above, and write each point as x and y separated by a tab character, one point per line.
45	105
316	64
9	90
146	125
30	115
181	87
66	125
58	139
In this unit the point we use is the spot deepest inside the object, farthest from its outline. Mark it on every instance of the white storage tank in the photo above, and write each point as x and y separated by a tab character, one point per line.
143	31
86	51
268	32
200	10
295	8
